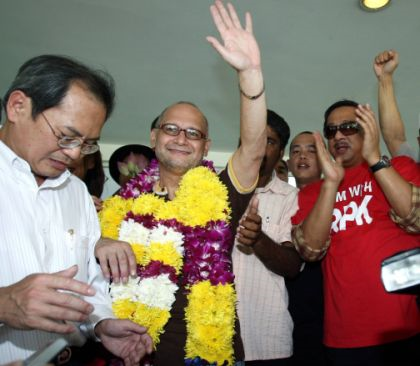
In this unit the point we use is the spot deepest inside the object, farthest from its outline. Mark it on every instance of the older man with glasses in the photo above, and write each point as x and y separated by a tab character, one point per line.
350	220
50	284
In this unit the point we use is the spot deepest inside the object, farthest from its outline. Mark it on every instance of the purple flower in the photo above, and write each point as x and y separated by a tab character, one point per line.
156	268
148	221
142	182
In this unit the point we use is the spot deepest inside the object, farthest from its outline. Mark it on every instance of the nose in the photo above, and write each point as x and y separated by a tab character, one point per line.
338	135
302	155
73	153
181	138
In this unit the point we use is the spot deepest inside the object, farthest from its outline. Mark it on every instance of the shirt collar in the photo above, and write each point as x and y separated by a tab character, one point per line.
16	164
276	185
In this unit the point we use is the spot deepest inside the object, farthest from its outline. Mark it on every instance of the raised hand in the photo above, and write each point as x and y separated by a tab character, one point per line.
239	48
46	302
366	118
385	63
116	259
125	339
332	170
249	228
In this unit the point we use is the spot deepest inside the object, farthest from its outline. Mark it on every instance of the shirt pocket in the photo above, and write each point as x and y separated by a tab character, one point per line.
277	232
67	248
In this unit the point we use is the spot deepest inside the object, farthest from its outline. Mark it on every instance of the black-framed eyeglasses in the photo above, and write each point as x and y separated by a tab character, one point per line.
347	128
67	142
172	129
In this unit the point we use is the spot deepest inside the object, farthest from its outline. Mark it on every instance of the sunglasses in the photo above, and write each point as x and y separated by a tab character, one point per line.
347	128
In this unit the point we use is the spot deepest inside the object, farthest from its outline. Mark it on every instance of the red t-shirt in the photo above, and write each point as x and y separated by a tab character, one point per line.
358	310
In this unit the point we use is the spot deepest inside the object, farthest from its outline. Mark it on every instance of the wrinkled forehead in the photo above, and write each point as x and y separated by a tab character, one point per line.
341	114
185	115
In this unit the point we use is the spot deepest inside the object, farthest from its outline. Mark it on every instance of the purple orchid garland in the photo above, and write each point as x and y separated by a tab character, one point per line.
207	250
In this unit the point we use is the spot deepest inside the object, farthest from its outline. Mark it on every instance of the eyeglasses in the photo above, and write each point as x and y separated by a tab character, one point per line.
172	129
67	142
347	128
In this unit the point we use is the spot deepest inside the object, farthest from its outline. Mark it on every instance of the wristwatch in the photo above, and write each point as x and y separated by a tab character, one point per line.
384	162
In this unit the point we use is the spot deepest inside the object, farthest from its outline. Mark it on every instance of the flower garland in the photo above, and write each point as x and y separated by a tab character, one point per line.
189	235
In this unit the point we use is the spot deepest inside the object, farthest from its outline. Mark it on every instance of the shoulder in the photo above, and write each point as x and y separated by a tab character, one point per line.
278	187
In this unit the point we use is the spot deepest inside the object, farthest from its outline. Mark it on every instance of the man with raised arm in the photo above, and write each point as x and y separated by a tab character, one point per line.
180	217
350	218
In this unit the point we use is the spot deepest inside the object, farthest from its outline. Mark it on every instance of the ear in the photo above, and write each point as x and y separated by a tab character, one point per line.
207	147
153	137
18	105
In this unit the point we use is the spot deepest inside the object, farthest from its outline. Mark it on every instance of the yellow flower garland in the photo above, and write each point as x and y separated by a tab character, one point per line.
210	313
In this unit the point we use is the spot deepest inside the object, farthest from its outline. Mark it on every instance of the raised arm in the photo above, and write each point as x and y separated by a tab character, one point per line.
390	121
396	189
241	51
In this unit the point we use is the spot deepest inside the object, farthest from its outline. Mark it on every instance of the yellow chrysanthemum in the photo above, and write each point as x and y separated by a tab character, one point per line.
210	328
139	251
147	203
113	212
210	313
166	253
169	210
195	209
154	319
124	309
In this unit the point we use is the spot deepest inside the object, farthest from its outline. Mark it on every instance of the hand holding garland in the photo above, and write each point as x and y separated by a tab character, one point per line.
116	259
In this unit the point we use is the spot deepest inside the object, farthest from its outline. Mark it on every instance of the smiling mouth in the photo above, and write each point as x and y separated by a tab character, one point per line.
303	166
178	151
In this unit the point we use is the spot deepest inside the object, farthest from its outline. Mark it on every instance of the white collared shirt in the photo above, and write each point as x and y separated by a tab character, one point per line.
266	325
45	229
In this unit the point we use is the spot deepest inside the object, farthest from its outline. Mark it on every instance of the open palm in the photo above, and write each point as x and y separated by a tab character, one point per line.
239	49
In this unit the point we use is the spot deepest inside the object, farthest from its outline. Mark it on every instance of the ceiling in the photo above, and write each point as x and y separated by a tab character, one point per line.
314	52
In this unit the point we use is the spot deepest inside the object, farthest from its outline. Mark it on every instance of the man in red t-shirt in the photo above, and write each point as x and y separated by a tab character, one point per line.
351	217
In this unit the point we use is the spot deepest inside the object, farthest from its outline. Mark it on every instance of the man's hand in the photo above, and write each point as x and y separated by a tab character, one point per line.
239	49
46	302
365	116
385	63
332	170
249	228
124	339
116	259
